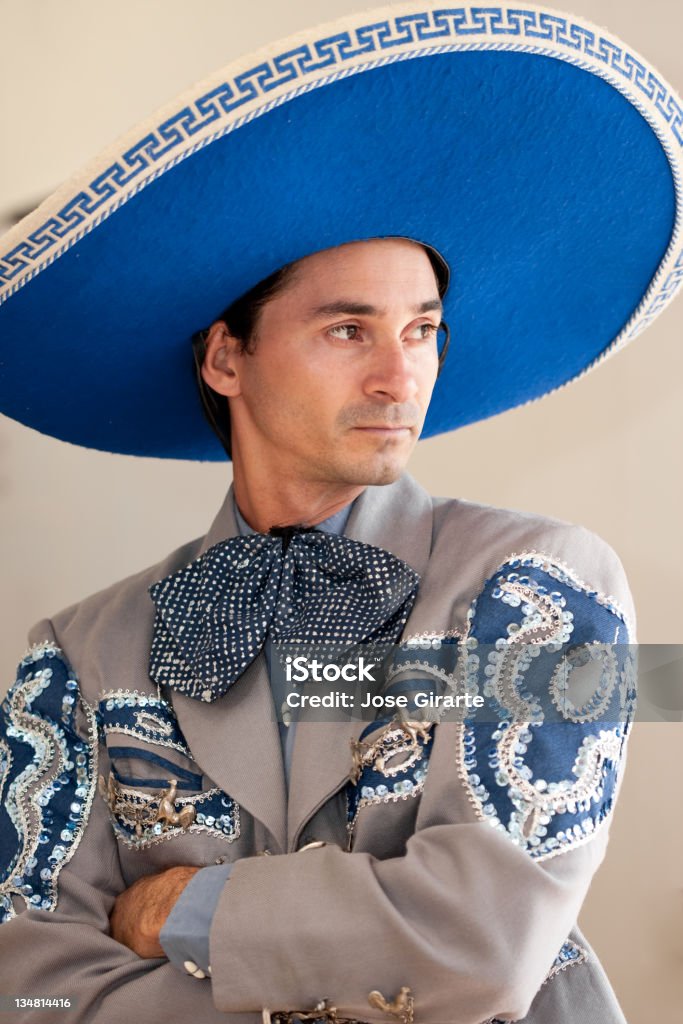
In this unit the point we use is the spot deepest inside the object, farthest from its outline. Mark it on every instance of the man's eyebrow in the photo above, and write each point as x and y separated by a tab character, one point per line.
346	307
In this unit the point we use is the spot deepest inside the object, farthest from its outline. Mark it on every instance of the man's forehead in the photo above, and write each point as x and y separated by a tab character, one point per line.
360	277
358	253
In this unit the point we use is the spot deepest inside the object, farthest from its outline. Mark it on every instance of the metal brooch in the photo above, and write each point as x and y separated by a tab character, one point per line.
143	814
401	1007
386	744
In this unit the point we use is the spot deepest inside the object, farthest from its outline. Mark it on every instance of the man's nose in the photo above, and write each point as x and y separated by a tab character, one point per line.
392	374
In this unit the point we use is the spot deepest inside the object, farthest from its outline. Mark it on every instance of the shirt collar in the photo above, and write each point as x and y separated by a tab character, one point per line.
335	524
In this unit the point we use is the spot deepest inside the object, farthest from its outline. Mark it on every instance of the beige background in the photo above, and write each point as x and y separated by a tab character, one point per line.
604	452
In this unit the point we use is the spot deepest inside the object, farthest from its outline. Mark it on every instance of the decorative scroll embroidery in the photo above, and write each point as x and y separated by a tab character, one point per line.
392	766
47	777
537	765
434	676
143	715
140	818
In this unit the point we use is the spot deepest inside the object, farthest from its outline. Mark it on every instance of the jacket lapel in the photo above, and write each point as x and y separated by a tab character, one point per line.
398	518
235	740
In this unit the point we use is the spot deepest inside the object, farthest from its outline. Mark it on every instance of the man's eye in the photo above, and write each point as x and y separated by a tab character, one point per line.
423	331
348	332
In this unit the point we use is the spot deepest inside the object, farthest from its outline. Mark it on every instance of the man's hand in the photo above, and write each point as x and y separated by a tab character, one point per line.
140	912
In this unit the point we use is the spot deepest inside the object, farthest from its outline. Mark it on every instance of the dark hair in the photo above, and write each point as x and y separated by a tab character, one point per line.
241	319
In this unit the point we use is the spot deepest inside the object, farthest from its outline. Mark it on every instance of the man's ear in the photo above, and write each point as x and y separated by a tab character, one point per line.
220	369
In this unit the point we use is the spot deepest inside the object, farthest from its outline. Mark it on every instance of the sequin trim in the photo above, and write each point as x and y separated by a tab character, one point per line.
377	782
47	780
445	666
570	955
5	765
598	703
134	815
456	683
562	572
547	784
144	716
430	638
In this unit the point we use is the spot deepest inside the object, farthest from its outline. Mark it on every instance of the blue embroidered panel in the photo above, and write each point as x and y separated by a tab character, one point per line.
391	766
145	810
185	779
47	776
146	717
551	658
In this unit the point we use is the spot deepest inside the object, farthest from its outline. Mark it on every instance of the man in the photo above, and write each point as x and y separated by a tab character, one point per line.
402	871
327	399
320	408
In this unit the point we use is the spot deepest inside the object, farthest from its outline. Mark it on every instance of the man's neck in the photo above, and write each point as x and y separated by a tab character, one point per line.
286	502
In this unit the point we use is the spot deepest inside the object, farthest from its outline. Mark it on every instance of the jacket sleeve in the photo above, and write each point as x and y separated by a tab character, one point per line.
512	825
59	865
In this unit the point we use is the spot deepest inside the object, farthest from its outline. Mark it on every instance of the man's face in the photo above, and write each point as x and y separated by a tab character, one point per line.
337	381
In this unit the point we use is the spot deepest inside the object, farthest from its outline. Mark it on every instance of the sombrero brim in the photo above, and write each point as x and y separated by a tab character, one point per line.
539	155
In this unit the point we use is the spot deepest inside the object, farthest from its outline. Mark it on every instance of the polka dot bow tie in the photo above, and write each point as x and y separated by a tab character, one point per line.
310	587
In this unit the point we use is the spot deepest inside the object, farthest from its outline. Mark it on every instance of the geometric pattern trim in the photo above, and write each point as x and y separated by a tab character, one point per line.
246	89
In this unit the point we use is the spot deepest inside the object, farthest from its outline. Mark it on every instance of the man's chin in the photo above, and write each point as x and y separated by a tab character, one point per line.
376	472
387	475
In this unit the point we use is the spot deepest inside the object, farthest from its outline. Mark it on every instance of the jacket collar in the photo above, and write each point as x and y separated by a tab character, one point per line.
236	739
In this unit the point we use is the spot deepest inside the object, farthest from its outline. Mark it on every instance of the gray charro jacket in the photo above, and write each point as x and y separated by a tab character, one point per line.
463	883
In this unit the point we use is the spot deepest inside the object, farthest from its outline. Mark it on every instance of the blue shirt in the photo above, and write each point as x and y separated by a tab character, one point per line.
185	935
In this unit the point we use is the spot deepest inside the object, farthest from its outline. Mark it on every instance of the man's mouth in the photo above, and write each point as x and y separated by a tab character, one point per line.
386	429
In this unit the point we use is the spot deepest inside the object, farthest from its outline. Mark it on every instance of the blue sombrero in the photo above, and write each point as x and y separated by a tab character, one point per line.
538	154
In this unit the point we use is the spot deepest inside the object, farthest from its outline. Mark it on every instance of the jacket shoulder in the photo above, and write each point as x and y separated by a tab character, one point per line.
116	621
479	539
